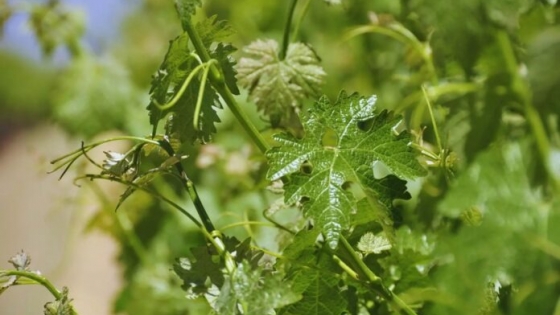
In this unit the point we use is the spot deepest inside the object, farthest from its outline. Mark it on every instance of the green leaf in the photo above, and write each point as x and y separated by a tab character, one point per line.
279	87
380	194
177	65
255	291
61	306
187	8
373	244
21	261
211	30
341	145
167	82
204	272
321	294
303	241
227	63
201	273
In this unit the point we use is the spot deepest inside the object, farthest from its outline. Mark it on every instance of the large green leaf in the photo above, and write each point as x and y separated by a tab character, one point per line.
341	145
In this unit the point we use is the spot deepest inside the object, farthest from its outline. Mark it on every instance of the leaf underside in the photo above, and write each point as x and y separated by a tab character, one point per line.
278	87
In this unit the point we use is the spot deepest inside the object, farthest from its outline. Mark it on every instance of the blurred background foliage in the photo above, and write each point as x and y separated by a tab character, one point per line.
482	62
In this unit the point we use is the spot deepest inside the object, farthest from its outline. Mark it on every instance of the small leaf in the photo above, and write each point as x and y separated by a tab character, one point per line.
222	53
187	8
211	30
203	272
409	260
370	243
115	164
279	87
195	272
21	261
61	306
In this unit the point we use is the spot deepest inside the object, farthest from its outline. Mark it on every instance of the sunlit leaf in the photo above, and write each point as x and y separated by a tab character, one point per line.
341	145
373	244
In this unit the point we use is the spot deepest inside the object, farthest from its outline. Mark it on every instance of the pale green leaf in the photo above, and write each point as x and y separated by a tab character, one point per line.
21	261
373	244
279	87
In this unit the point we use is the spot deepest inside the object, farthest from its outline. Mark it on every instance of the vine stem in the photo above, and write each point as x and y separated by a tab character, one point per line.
434	123
217	80
39	280
213	235
300	19
191	189
146	190
287	27
181	91
218	83
243	119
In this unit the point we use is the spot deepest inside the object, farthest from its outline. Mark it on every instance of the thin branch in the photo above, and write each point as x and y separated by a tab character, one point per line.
432	117
365	274
181	91
287	27
39	280
151	192
218	83
191	189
